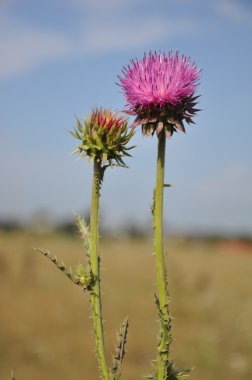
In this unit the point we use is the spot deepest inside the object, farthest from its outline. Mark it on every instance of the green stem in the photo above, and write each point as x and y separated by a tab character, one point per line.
163	364
95	266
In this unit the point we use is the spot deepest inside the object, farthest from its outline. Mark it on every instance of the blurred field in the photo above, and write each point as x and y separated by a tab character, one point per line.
45	326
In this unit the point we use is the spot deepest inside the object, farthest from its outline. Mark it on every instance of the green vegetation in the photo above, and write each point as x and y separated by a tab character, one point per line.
45	329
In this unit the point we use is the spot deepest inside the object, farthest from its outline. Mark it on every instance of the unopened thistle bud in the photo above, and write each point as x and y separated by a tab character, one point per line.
104	136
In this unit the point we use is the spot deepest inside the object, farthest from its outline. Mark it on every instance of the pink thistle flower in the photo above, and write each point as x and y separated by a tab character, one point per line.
160	90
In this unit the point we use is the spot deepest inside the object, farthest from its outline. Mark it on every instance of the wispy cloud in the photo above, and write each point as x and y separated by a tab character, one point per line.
103	27
234	10
25	46
120	36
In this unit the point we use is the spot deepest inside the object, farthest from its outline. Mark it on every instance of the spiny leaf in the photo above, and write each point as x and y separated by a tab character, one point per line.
59	265
180	374
82	226
120	350
84	233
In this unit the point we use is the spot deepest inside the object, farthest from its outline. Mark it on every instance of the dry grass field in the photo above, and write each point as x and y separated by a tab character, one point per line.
45	325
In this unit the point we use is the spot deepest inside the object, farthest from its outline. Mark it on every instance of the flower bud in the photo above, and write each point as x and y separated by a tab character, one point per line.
104	136
84	277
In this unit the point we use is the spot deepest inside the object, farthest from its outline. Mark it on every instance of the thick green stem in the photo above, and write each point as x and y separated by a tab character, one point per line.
162	300
95	266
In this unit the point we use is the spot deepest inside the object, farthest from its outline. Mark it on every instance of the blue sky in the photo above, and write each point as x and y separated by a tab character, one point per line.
59	58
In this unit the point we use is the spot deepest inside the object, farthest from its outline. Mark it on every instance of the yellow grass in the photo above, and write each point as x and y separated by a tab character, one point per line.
45	325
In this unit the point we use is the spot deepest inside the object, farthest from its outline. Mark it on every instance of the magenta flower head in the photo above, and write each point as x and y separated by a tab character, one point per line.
160	91
104	136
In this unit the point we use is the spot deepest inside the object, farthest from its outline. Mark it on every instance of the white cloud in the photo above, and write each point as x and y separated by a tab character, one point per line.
233	10
112	28
25	46
121	36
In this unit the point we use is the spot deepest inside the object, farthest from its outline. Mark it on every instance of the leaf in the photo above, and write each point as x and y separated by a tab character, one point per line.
59	265
84	233
120	350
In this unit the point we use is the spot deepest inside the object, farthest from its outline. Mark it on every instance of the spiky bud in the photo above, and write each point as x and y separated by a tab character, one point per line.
104	136
84	277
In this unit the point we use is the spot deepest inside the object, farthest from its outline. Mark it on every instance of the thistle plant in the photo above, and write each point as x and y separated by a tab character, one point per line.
103	138
160	92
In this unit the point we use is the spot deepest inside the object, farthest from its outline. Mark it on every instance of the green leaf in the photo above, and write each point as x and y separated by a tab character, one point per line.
120	350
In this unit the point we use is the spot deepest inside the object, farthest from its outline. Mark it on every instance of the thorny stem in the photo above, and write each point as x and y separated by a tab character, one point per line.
95	295
163	364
